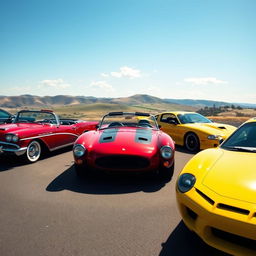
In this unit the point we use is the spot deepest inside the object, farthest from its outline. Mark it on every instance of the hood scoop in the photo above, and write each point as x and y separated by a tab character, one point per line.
222	127
108	135
143	139
108	138
143	136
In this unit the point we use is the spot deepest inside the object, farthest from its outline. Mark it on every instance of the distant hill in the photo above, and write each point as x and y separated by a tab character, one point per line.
139	100
208	103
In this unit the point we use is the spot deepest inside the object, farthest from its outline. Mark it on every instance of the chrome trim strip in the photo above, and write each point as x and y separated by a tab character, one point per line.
49	134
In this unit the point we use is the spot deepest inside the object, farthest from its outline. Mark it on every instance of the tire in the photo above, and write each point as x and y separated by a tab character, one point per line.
33	152
166	173
191	142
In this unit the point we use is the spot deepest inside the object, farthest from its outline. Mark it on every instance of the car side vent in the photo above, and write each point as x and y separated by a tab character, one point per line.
233	209
207	198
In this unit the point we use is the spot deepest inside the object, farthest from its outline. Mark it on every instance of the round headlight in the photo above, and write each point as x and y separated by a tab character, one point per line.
166	152
186	181
8	137
78	150
15	138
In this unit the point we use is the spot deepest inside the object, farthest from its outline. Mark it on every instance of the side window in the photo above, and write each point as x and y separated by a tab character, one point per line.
165	118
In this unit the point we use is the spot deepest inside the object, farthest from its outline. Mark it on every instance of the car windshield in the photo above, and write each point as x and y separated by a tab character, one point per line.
243	139
35	117
192	118
120	119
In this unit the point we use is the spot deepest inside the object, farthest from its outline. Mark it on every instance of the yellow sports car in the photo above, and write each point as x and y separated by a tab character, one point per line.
193	130
216	193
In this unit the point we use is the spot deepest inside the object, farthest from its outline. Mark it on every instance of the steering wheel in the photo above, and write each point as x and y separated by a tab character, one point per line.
115	124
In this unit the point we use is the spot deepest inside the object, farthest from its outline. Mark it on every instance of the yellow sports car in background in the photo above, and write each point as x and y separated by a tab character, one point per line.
193	130
216	193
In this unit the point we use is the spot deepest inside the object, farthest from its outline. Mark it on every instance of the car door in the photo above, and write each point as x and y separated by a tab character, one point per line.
170	124
67	134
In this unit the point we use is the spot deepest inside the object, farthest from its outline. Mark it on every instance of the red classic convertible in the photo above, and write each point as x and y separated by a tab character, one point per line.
125	142
34	131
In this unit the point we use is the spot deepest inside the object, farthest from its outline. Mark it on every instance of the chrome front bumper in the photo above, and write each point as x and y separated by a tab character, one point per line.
6	147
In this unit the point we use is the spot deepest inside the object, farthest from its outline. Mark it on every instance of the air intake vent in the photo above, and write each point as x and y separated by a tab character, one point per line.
222	127
233	209
235	239
144	139
207	198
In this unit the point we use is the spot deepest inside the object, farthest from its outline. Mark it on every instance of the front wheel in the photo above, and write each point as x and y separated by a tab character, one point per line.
192	142
33	152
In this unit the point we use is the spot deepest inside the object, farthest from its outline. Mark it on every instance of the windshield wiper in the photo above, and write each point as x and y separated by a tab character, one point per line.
243	149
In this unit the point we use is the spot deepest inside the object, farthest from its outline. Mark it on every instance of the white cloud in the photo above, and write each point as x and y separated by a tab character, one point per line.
104	75
204	80
127	72
56	83
102	85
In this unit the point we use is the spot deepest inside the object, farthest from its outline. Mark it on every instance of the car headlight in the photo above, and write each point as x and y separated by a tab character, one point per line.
79	150
214	137
8	137
11	138
186	181
166	152
15	138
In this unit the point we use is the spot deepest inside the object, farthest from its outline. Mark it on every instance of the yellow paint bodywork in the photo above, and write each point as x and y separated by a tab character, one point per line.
202	130
223	200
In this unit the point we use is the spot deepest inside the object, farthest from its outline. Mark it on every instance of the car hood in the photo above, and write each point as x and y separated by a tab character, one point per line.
213	128
231	174
125	141
20	129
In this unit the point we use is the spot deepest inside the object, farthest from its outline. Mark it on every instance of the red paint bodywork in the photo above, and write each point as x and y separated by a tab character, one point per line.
53	136
124	144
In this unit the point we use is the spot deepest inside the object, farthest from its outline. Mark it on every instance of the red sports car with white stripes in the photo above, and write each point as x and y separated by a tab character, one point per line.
33	132
130	142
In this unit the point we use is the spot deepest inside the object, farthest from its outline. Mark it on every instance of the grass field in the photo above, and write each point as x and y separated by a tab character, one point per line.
97	110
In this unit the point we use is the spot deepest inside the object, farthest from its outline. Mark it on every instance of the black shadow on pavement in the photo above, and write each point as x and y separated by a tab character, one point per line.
183	242
8	162
105	183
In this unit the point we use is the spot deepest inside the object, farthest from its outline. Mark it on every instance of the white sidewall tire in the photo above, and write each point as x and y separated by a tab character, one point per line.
33	152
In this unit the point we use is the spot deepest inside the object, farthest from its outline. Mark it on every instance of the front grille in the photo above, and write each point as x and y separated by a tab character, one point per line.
233	209
191	213
207	198
8	145
122	162
235	239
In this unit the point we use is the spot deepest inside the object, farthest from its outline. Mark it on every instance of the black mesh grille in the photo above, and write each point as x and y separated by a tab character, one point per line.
232	238
122	162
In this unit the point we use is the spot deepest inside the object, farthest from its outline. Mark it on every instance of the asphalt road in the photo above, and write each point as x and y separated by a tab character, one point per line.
47	210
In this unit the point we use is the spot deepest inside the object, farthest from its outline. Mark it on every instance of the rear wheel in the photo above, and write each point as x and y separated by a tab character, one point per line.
33	152
192	142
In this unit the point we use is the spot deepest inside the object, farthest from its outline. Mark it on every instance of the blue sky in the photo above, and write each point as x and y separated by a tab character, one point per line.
199	49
